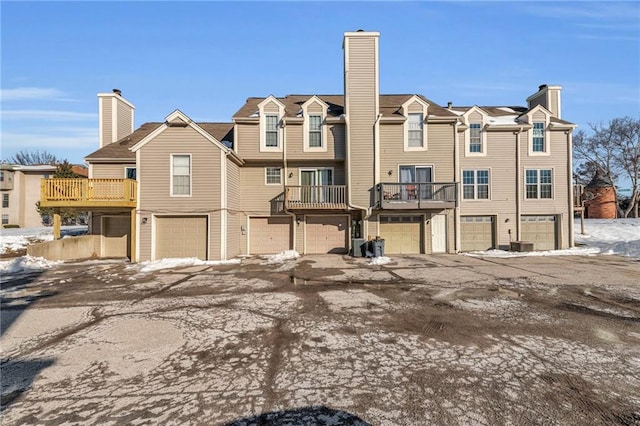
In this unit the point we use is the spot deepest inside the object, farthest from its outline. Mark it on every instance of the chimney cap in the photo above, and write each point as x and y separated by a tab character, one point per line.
449	104
117	92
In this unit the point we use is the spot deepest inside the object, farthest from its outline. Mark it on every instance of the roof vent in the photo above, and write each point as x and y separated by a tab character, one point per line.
542	86
449	104
117	92
360	30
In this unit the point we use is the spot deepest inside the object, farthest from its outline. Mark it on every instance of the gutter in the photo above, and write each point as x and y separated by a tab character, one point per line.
518	185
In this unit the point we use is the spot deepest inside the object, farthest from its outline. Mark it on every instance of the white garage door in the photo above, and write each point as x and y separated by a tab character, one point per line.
476	233
541	231
326	234
269	235
181	236
401	234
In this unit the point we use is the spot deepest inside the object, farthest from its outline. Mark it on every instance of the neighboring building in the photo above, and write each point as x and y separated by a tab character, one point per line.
20	189
318	173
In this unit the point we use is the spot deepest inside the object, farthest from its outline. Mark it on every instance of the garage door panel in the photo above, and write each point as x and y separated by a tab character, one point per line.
476	233
326	234
541	231
401	234
269	235
181	236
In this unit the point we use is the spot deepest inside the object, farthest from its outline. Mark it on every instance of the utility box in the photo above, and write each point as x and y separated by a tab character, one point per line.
520	246
358	247
377	247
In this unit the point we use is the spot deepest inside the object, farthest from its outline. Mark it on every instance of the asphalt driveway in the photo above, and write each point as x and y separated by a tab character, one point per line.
446	339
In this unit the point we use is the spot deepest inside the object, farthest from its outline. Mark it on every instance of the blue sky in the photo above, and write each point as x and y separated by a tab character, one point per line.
206	58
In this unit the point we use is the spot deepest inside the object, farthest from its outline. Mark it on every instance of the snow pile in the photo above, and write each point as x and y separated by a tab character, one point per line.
575	251
281	257
381	260
611	236
27	264
181	262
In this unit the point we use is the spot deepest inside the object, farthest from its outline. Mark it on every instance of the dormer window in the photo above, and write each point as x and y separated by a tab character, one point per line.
415	130
538	143
271	131
315	131
475	138
271	112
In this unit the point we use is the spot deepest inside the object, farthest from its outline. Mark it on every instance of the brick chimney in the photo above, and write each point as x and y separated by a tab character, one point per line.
115	117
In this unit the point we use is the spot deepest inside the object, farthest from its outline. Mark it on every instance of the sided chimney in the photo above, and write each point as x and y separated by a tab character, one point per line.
548	97
115	117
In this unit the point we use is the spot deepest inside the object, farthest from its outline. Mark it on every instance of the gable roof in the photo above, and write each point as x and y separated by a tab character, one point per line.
120	149
389	105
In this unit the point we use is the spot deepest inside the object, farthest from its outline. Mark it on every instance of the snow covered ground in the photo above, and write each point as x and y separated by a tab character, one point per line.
620	236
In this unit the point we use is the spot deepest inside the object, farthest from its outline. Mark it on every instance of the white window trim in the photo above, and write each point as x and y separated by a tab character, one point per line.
263	124
425	114
131	167
538	185
547	144
305	129
266	182
432	166
475	184
483	140
190	194
8	198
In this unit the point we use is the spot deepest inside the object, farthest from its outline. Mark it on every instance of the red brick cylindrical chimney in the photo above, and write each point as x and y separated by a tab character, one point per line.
600	197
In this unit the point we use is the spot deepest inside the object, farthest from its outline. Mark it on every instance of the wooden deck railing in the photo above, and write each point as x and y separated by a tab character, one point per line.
324	197
61	192
417	195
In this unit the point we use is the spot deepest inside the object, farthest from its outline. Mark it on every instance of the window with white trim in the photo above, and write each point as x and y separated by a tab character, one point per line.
315	131
273	175
271	131
180	174
539	184
130	173
1	176
538	142
475	184
475	138
5	200
415	137
5	219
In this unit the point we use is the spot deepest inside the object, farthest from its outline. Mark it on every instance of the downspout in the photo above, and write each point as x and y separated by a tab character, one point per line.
456	170
518	185
284	183
570	183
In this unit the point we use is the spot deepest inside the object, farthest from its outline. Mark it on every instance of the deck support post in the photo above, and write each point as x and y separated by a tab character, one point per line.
56	224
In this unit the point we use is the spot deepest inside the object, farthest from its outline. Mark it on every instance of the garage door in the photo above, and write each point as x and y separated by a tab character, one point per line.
116	230
269	235
401	234
181	236
539	230
476	233
326	234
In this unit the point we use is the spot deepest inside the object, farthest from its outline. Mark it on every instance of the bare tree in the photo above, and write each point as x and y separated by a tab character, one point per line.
29	158
615	149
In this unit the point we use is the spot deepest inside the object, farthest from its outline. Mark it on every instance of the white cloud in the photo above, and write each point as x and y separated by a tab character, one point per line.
21	93
49	115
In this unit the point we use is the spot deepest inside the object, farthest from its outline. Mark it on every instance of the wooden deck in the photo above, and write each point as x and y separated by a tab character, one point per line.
315	197
87	193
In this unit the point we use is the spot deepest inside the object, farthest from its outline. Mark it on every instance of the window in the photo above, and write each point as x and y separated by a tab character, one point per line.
1	176
271	131
5	219
475	184
414	134
130	173
475	137
273	175
538	144
181	175
5	200
315	131
539	184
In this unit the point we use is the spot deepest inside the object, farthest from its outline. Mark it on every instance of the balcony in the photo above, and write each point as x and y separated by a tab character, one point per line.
85	193
417	195
315	197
